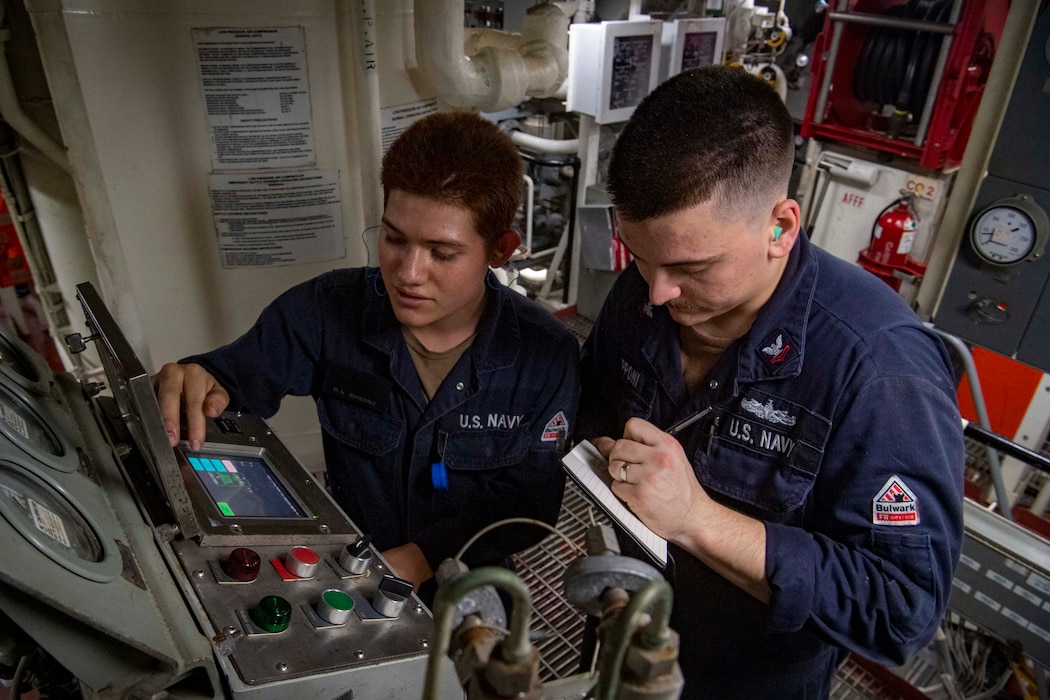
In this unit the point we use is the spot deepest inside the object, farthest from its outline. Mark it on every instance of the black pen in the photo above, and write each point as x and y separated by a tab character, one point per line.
686	422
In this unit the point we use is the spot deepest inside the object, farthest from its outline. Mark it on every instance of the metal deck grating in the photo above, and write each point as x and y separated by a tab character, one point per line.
558	626
555	622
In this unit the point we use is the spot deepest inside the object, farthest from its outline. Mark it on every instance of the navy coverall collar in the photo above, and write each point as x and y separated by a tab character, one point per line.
783	317
490	351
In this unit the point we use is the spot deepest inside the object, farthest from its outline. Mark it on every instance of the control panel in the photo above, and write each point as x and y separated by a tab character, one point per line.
221	570
286	612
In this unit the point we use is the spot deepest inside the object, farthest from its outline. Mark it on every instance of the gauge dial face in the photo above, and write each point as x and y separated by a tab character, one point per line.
1004	235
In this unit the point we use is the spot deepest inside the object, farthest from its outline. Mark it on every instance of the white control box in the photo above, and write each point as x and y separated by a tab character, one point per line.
692	43
612	67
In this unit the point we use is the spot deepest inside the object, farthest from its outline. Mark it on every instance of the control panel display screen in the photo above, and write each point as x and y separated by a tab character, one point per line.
699	49
243	486
632	61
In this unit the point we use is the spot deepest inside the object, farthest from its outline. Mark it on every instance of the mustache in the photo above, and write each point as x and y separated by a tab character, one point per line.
680	305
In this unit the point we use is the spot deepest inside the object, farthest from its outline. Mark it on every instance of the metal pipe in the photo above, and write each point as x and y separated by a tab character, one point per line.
23	216
361	46
870	20
517	648
658	595
565	242
530	198
1001	493
12	113
542	145
1035	459
938	75
829	68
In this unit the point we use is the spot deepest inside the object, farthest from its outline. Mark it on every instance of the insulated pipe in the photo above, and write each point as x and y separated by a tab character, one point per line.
361	41
496	77
12	113
542	145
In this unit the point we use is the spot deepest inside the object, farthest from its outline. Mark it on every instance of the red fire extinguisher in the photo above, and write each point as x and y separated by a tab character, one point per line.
888	254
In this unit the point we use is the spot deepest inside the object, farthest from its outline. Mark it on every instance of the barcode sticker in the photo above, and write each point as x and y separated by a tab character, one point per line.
16	421
48	522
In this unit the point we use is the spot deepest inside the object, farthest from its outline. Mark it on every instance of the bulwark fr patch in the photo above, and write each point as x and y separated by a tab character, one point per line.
895	504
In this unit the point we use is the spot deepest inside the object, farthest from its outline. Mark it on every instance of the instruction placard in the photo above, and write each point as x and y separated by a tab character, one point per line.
256	97
269	219
397	119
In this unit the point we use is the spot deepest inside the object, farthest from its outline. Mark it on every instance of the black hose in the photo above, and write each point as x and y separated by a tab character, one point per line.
895	66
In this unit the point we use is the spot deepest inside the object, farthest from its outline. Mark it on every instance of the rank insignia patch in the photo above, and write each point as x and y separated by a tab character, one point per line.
776	349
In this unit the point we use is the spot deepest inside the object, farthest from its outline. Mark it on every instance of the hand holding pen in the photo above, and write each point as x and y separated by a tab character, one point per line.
652	474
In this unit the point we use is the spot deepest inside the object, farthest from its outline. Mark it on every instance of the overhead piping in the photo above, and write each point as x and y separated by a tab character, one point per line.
501	69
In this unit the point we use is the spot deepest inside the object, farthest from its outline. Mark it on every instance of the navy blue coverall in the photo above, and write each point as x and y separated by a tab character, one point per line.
836	425
499	423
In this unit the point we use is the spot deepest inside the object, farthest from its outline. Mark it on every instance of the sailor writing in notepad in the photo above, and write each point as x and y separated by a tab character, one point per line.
817	509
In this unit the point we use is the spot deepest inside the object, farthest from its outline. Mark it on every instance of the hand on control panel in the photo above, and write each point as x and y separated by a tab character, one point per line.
190	389
408	562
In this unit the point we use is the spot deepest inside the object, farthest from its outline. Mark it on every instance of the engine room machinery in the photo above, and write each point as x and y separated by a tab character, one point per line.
131	569
150	572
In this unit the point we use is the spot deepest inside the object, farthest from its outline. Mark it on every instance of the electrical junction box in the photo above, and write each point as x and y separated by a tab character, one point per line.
612	67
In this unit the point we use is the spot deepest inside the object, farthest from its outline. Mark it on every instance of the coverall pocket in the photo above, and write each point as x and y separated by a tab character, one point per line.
765	486
764	452
368	431
484	449
910	598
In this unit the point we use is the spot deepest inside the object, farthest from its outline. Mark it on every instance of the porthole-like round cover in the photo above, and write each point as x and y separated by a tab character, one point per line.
55	524
25	421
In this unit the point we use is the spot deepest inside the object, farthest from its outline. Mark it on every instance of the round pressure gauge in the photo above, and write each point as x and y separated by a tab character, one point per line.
1010	231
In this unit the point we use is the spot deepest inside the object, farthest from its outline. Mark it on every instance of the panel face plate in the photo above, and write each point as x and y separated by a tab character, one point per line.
309	645
1003	582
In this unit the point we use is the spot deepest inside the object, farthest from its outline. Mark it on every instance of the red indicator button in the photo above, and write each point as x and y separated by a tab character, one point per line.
242	564
302	562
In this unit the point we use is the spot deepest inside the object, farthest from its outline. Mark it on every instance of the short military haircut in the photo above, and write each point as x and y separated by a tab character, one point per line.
462	159
716	134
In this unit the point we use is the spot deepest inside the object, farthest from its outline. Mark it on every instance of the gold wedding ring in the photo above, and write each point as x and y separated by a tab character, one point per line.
623	473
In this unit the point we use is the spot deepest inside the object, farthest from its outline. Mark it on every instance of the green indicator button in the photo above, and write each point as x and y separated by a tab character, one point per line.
272	614
225	508
338	600
335	606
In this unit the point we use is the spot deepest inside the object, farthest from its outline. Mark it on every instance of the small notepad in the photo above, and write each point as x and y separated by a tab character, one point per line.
590	470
